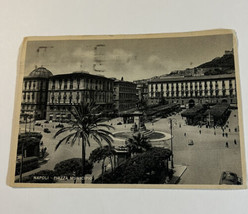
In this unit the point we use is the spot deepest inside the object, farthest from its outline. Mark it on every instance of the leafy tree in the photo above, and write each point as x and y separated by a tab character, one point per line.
138	143
71	166
100	154
85	125
148	167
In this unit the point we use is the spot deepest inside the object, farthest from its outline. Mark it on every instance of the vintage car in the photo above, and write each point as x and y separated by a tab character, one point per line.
46	130
230	178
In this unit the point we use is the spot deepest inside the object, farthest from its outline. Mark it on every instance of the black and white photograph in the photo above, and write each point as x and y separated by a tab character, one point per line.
143	111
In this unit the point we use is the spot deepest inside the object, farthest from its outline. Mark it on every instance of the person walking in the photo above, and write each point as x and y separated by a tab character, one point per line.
227	145
200	131
235	142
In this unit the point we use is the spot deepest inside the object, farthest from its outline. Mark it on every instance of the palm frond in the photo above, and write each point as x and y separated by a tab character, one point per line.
66	139
62	130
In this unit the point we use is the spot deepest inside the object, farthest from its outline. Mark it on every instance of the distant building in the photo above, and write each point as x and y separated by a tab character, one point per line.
142	91
188	91
34	94
125	96
74	88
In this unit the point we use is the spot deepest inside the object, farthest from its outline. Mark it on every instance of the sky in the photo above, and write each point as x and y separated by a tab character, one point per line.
131	59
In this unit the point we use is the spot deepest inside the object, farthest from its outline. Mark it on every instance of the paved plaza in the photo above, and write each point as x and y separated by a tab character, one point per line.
205	160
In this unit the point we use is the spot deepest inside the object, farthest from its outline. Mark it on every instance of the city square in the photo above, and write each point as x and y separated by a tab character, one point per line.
205	160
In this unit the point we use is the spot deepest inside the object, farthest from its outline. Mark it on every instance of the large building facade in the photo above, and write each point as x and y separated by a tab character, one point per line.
125	96
34	94
188	91
79	87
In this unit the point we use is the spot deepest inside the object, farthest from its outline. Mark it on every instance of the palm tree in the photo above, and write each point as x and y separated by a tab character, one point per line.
138	143
85	125
100	154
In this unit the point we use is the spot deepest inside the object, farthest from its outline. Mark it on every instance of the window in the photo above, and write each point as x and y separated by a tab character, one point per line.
60	84
78	83
53	84
71	84
65	84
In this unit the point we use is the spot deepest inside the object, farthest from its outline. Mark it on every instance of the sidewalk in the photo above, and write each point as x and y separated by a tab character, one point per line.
178	172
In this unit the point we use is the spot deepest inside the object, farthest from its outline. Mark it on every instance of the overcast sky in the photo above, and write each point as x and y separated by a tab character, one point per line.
130	58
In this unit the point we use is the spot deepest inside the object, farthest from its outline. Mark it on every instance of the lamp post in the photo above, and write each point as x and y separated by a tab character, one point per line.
171	121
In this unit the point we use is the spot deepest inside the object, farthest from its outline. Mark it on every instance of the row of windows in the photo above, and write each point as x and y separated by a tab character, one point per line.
200	93
125	96
80	83
183	102
31	107
33	85
192	85
70	98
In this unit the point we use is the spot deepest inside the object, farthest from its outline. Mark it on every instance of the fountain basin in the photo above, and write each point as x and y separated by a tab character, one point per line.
156	138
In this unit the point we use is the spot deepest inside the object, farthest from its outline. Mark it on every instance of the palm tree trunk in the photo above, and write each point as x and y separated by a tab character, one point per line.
83	159
111	163
103	163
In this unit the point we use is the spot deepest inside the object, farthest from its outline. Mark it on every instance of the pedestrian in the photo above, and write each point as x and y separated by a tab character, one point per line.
200	131
229	130
214	132
226	135
223	134
184	134
227	145
235	142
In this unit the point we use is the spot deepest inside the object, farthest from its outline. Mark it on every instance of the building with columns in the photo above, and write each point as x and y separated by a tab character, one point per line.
34	94
188	91
74	88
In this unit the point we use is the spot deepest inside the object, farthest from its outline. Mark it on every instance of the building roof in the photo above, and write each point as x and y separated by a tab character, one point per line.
124	82
217	110
41	72
79	74
192	111
193	78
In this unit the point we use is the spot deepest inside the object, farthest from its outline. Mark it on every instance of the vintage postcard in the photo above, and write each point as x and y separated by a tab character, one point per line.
129	111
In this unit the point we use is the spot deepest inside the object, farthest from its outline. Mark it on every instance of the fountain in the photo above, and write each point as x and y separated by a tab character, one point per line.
156	138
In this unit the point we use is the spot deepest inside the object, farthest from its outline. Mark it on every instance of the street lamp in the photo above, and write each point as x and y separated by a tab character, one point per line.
172	121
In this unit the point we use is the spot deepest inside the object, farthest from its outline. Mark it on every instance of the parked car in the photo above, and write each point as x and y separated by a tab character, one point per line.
46	121
60	125
37	123
190	142
46	130
230	178
119	123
